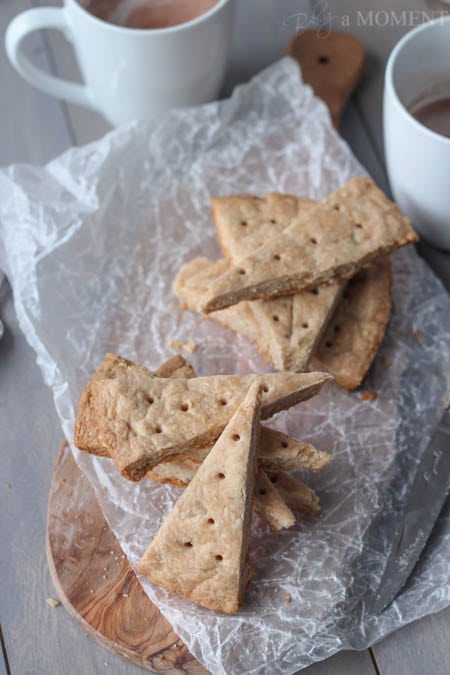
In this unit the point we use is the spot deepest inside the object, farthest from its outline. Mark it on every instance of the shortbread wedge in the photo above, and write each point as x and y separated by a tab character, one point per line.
112	366
285	330
141	419
351	343
354	225
296	494
277	452
200	550
357	328
269	505
267	502
291	493
245	222
176	366
291	326
192	282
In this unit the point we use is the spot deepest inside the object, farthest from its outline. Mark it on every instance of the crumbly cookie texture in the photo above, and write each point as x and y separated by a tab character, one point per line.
200	550
354	225
186	346
346	343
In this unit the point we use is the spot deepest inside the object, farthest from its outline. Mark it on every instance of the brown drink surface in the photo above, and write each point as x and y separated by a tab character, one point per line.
148	14
434	115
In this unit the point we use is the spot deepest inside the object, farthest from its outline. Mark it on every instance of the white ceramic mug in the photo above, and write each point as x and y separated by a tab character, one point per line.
417	158
130	73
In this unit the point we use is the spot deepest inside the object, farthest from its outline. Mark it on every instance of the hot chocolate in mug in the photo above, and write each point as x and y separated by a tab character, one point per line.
176	58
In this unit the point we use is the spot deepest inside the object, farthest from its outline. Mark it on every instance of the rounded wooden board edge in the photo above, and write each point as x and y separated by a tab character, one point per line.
95	583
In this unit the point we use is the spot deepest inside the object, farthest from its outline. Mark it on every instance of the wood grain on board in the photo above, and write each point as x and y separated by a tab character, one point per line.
95	582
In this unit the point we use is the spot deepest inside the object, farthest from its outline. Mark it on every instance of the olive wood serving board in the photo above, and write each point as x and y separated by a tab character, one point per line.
95	582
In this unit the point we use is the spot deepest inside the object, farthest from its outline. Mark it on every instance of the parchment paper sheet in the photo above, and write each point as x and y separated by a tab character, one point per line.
91	244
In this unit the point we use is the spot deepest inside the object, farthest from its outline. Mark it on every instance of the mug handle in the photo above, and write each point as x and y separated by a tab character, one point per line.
28	22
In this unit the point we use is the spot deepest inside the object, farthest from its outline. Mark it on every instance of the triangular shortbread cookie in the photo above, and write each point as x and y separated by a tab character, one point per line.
277	452
87	433
297	495
141	419
288	328
285	330
245	222
200	550
357	328
269	505
192	282
354	225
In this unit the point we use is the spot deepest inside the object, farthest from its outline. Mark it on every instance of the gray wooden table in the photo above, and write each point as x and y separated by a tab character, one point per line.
35	638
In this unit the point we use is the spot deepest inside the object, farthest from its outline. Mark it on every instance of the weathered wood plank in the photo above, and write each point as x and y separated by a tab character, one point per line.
347	663
38	639
422	648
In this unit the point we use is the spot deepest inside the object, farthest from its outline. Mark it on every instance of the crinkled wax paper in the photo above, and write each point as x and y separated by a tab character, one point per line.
91	244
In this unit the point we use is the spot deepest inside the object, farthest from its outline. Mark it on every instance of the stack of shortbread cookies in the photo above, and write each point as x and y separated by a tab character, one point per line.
309	283
172	427
284	285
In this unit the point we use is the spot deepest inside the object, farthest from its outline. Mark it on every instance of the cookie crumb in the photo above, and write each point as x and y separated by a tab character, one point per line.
445	400
62	480
370	395
385	361
287	598
52	603
417	335
189	347
8	485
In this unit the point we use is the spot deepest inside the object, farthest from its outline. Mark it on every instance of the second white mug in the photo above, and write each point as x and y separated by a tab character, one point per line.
130	73
417	158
